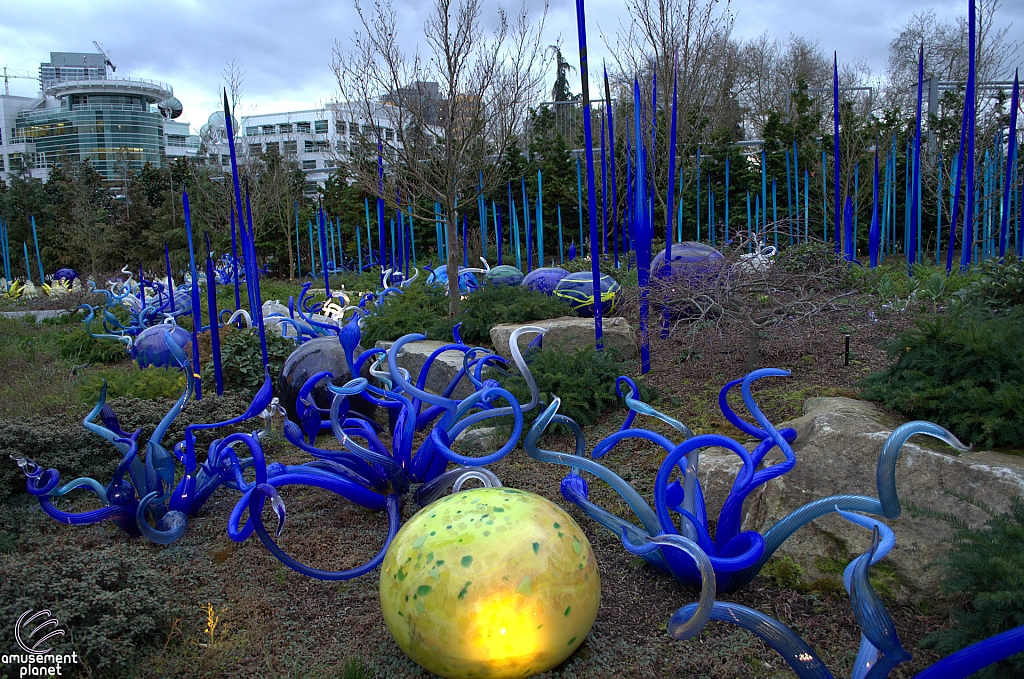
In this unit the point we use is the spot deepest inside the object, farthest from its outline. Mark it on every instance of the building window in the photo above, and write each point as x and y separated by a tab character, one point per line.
291	147
286	128
310	147
225	160
252	131
302	127
1	164
266	129
309	164
256	149
387	134
320	126
273	146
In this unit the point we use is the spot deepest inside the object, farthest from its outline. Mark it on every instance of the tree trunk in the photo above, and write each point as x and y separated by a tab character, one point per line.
753	343
291	254
451	229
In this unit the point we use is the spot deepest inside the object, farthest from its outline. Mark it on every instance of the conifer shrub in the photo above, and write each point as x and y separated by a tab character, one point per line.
985	567
584	379
492	305
963	370
134	382
78	347
420	308
113	599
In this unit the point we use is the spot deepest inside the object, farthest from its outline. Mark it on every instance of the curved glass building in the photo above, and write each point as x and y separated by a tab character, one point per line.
84	112
112	122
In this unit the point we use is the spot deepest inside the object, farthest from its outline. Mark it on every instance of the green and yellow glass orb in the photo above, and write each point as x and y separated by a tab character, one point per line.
490	583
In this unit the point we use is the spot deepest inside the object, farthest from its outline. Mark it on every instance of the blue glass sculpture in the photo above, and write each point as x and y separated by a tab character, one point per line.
374	467
467	278
736	555
66	275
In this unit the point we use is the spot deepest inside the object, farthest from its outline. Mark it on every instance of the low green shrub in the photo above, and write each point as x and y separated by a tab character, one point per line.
78	347
131	381
583	379
999	286
964	371
985	566
420	308
61	442
492	305
111	599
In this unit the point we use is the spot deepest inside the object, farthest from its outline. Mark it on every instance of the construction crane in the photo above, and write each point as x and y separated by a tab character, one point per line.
9	75
106	56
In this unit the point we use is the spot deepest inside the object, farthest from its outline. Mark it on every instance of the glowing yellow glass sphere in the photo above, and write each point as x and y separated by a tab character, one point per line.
490	583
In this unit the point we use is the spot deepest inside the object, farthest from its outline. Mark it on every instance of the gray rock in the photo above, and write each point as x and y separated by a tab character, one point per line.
480	440
569	333
38	316
444	368
837	449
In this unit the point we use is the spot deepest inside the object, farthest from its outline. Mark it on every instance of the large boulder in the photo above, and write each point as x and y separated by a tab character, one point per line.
414	355
837	449
569	333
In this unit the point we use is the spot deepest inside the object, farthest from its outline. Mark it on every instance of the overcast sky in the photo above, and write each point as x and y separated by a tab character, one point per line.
284	47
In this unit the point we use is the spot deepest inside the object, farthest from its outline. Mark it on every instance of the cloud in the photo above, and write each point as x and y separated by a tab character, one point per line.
284	46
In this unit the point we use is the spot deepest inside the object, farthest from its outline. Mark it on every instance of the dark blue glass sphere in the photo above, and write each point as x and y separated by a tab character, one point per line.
577	290
150	347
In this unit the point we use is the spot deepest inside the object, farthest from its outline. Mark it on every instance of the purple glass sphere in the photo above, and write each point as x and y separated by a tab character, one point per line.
545	279
690	261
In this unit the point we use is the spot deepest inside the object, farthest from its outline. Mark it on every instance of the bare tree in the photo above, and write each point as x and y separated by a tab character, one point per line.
771	69
455	110
946	51
698	35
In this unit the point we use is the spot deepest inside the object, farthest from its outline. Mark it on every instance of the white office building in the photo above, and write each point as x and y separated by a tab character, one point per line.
317	139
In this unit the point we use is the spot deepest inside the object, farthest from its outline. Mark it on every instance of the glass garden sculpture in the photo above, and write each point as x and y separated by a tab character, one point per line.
147	496
577	290
690	261
467	278
736	555
545	279
490	582
504	274
880	648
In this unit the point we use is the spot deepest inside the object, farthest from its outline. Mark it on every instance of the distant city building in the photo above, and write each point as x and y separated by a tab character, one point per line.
318	140
84	112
